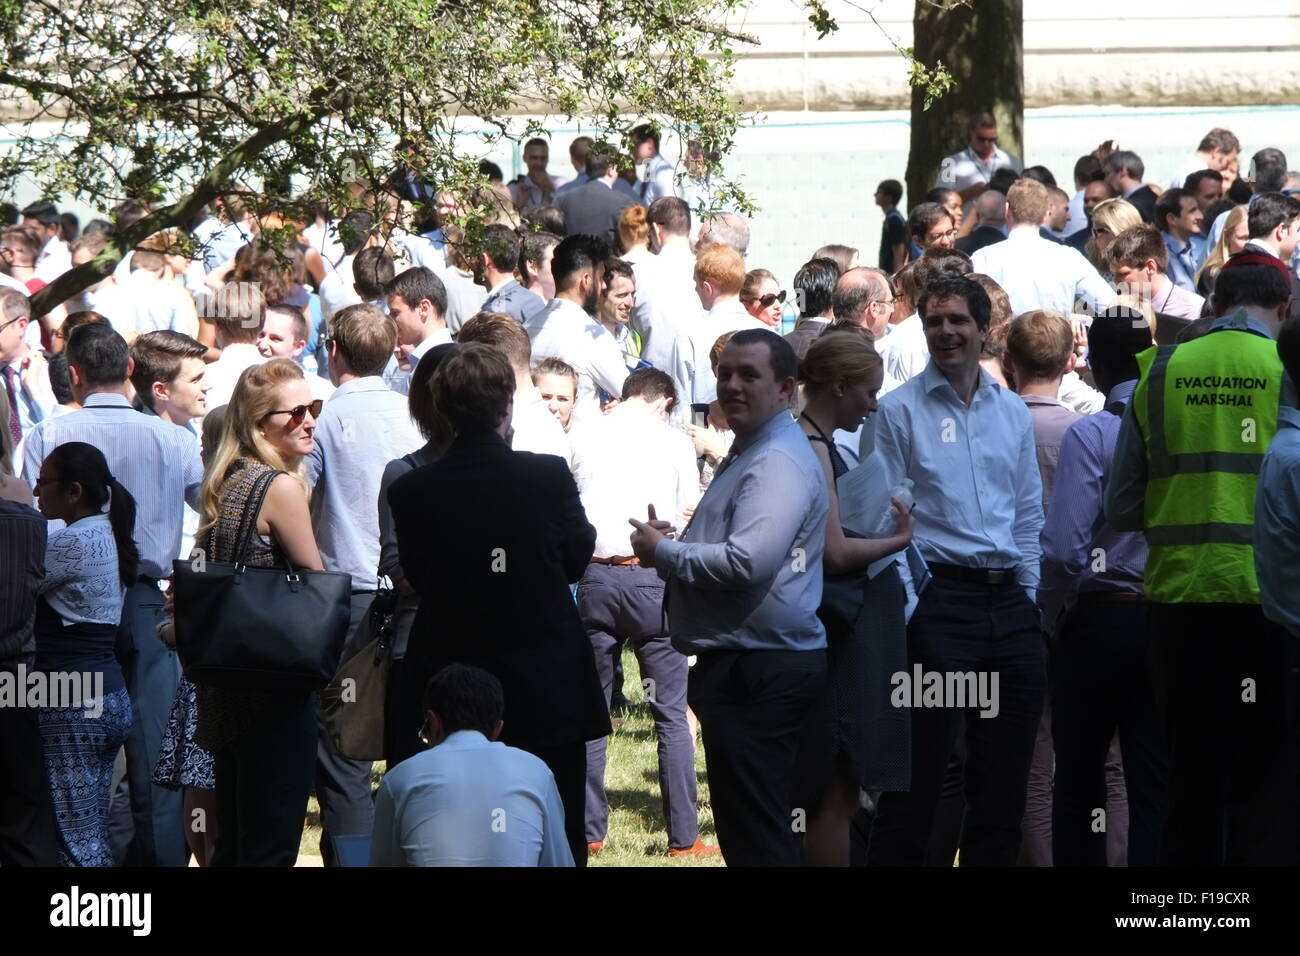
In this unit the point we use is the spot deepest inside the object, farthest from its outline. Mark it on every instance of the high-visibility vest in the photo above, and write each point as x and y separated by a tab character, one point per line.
1208	409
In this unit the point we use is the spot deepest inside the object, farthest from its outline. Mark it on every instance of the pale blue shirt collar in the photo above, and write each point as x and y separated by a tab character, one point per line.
106	400
465	740
1123	392
933	379
367	383
1241	322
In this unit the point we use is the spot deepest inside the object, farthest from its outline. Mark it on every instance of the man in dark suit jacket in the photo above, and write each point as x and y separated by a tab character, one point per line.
490	539
594	208
991	209
1124	171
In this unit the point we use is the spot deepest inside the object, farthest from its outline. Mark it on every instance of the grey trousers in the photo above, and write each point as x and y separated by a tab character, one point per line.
624	604
151	672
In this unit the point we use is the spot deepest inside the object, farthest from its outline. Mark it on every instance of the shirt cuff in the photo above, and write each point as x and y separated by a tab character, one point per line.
668	555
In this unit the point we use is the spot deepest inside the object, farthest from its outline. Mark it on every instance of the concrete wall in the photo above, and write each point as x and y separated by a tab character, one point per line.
1161	53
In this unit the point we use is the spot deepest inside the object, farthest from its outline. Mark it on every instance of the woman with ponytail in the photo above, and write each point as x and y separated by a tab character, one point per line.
88	566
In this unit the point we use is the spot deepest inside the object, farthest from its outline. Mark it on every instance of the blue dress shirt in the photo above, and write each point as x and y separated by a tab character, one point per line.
1076	529
977	487
1277	524
747	571
469	802
1184	260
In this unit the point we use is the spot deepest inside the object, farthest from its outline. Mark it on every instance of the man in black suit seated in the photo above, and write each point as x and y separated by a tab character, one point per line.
490	539
1124	170
991	211
595	206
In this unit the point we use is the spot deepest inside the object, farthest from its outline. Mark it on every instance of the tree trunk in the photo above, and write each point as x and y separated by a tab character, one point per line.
982	45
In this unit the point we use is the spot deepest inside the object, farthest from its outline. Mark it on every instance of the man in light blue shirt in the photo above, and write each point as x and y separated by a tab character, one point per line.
968	446
470	800
743	587
1277	503
1180	220
364	426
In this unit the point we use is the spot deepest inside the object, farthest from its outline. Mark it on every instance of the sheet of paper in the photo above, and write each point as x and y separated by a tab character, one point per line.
863	493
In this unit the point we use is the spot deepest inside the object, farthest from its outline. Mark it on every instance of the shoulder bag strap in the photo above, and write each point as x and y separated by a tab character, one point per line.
252	508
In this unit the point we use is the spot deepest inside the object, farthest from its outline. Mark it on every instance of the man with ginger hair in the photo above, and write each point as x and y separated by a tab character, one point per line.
719	274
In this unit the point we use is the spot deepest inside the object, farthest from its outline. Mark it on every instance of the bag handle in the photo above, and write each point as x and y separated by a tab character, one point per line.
252	508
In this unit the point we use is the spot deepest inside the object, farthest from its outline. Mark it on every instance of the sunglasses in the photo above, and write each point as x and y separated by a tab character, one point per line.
986	139
767	301
299	412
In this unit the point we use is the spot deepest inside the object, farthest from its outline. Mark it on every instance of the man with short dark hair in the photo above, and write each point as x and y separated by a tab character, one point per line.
622	462
814	285
537	186
594	208
893	231
969	170
238	310
659	181
567	328
1124	171
500	598
1087	169
904	350
535	253
1185	473
1137	259
1102	681
1206	186
470	800
498	258
743	587
968	446
931	224
363	426
1267	174
1179	218
578	150
168	376
666	303
157	462
54	258
1273	226
417	301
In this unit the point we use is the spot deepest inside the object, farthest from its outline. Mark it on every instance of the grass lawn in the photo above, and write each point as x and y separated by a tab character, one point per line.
637	836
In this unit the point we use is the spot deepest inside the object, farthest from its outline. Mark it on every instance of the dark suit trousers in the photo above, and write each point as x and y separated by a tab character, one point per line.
29	835
752	707
263	782
152	673
1102	682
347	806
960	628
624	603
1223	672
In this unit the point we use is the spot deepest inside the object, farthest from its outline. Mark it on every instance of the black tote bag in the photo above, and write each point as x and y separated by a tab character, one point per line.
243	628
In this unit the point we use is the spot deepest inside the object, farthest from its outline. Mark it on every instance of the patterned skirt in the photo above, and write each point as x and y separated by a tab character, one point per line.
181	761
79	754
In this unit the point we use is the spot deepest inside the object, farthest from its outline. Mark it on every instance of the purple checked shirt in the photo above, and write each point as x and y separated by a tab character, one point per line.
1081	552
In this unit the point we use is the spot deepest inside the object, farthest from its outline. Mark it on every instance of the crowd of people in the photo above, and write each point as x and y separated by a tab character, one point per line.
987	559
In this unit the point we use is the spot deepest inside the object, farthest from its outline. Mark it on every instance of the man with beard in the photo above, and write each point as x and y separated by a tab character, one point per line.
567	329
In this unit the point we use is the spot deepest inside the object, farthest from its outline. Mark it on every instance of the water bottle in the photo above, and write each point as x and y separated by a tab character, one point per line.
884	526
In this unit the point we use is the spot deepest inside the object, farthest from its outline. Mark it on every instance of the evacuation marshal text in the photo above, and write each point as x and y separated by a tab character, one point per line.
1219	389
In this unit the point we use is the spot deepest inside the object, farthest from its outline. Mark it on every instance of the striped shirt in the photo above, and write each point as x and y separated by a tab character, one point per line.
22	542
156	461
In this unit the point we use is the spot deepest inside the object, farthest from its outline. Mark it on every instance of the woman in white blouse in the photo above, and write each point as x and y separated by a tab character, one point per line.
88	565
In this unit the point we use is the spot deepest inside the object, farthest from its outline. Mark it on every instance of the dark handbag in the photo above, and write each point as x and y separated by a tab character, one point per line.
842	597
245	628
353	706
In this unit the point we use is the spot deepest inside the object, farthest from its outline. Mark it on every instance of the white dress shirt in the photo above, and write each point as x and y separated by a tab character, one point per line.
977	487
536	429
398	378
563	330
666	302
904	352
1040	274
626	460
156	461
691	368
337	290
222	375
469	802
464	297
324	238
54	260
1079	395
660	181
159	304
964	169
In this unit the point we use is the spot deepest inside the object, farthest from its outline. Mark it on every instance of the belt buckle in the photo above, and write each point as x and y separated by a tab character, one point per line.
997	576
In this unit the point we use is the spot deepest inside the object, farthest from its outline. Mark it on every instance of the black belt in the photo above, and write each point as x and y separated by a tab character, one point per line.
145	579
985	576
371	591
